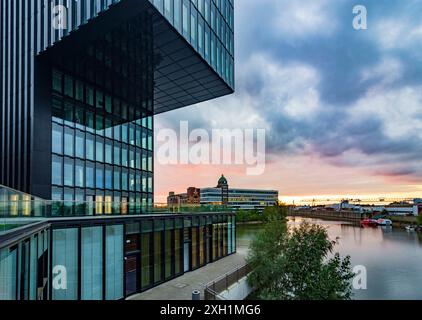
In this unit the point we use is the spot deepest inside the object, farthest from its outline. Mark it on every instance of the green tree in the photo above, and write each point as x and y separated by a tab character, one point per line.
297	265
419	220
241	216
275	213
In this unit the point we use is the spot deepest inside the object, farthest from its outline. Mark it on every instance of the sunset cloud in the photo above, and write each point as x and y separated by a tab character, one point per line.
345	104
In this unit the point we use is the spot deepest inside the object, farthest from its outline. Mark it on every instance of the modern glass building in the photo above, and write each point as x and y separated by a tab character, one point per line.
81	81
80	84
108	259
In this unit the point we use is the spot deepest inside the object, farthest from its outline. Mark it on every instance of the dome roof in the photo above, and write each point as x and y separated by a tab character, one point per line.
222	181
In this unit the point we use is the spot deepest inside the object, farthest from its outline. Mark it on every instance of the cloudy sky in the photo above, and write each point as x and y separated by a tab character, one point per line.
342	108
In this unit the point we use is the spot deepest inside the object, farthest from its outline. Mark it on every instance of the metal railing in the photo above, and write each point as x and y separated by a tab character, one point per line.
17	208
49	208
214	289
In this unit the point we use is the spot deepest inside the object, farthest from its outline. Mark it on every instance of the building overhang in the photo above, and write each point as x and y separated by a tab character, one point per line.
181	76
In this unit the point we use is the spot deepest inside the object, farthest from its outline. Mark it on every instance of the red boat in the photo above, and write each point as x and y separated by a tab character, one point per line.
369	223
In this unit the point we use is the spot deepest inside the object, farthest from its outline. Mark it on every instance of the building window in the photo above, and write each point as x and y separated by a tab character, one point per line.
116	179
92	263
186	17
168	12
99	153
177	12
68	86
65	253
146	267
116	154
57	81
178	251
125	162
114	262
125	180
108	179
157	257
89	121
68	172
194	247
99	177
56	171
79	174
90	147
108	152
193	27
90	175
68	142
80	144
168	250
79	94
57	137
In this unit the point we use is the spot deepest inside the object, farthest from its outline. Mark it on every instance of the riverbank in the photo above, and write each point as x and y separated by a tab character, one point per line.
402	222
249	223
388	278
325	214
398	221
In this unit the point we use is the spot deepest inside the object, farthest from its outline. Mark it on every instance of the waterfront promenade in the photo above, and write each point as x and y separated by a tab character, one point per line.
181	288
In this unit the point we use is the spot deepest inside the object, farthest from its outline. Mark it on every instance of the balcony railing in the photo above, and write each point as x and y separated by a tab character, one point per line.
18	209
214	289
49	208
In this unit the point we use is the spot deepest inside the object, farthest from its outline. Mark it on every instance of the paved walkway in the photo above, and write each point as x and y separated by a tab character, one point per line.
181	288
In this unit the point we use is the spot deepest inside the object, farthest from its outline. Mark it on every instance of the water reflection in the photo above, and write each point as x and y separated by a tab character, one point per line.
392	257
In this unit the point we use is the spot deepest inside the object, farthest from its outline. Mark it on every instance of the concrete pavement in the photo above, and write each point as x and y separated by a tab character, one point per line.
181	288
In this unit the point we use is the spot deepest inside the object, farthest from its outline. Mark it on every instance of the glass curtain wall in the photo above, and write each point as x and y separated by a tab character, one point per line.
93	257
178	247
65	262
169	249
147	268
102	122
92	263
195	243
208	26
8	274
158	251
202	239
114	262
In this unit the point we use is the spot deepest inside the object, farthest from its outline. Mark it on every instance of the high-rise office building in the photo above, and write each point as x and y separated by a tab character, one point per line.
81	81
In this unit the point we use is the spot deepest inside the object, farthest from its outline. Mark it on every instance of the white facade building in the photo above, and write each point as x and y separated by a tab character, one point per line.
240	199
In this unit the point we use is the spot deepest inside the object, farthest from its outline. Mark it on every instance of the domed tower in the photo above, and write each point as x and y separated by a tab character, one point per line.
222	183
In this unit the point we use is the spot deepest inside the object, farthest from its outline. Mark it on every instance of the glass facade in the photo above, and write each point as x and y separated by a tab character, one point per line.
100	79
92	100
95	153
208	25
106	261
102	121
24	269
114	262
92	263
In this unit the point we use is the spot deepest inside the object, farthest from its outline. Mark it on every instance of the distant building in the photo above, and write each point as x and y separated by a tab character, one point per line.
236	199
394	209
344	205
402	209
191	197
